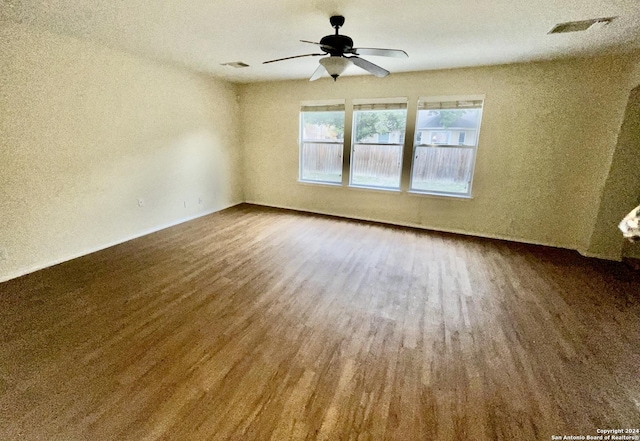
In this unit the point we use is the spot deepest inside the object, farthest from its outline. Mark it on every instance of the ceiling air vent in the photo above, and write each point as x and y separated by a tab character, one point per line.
582	25
236	64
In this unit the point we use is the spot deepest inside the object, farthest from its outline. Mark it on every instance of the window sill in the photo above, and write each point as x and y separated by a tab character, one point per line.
327	184
365	188
440	195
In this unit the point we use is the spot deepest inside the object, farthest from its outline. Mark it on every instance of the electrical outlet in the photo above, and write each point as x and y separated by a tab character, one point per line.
185	204
199	201
140	202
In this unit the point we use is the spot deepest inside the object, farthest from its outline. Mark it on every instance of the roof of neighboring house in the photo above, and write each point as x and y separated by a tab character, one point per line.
426	121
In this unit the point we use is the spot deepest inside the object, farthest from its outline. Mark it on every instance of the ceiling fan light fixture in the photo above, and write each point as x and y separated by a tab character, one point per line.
335	65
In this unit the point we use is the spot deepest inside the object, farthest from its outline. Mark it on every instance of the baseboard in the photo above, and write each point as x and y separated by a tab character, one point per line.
419	226
39	267
586	253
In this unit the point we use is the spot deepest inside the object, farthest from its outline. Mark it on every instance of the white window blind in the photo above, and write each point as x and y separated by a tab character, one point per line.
322	107
435	105
380	106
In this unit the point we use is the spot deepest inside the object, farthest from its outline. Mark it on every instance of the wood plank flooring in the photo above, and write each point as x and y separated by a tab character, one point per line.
264	324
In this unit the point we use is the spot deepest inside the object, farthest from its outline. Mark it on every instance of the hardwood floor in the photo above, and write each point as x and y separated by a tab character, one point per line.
258	323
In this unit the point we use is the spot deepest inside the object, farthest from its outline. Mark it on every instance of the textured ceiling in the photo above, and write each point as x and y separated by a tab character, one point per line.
437	34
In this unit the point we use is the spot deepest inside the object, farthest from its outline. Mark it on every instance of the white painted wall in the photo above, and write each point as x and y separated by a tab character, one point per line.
548	135
86	131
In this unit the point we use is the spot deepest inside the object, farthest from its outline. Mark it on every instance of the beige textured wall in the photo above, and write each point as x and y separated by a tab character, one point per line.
632	250
622	189
86	131
634	78
548	134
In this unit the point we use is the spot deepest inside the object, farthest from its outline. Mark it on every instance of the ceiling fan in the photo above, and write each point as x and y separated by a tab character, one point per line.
342	53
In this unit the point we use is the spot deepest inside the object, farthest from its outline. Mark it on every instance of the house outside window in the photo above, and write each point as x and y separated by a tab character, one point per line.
446	141
378	139
321	142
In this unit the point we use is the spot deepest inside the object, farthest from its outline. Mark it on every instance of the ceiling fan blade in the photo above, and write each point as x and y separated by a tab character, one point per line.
324	47
295	56
396	53
318	73
369	66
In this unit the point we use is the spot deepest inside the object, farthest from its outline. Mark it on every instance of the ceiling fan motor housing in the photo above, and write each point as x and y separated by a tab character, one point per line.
336	45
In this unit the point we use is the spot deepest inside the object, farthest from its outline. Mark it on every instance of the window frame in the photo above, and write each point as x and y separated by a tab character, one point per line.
322	106
473	148
394	103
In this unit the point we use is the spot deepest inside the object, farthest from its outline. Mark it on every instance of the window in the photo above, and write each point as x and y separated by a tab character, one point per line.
321	142
378	140
445	145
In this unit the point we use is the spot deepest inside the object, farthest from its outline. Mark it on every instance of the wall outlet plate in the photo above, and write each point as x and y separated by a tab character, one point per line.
140	202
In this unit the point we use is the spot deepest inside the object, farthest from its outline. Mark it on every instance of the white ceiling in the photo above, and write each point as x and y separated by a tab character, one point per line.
436	34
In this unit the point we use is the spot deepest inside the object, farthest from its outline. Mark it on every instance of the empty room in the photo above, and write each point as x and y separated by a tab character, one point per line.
319	220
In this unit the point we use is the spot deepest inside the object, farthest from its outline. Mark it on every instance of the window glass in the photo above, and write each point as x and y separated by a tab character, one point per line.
321	145
445	147
378	140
